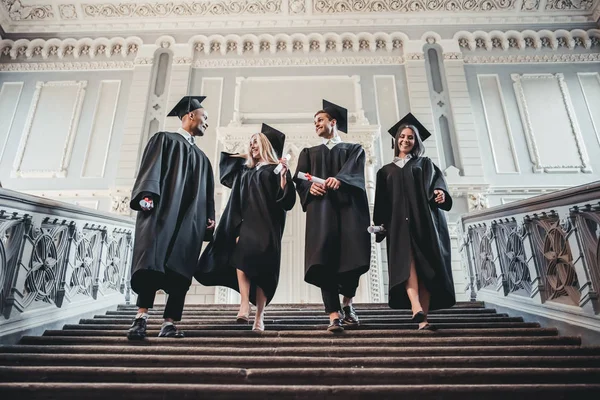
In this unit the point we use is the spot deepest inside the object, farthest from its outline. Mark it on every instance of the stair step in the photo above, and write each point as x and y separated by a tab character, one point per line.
558	350
325	339
307	306
301	376
282	325
303	321
76	391
309	313
185	361
191	330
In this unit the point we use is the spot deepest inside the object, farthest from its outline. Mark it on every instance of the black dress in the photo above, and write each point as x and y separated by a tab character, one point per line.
404	204
338	246
179	177
255	213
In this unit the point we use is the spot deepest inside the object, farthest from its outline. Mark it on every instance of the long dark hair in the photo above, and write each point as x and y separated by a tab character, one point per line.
418	149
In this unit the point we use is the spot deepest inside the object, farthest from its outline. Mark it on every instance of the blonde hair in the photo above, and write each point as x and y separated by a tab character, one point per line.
265	151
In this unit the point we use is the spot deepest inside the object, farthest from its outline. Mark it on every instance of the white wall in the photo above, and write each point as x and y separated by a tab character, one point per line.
562	126
60	133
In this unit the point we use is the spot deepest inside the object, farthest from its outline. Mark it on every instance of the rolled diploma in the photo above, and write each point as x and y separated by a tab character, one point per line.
310	178
279	166
375	229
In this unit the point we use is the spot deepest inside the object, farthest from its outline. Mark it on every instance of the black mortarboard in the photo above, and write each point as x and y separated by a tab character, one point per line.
340	114
409	119
276	138
186	104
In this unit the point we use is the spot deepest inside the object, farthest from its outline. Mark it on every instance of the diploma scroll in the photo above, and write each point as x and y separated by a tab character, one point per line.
310	178
146	203
279	166
375	229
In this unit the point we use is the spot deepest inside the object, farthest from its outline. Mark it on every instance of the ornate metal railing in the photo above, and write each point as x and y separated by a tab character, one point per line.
53	254
542	251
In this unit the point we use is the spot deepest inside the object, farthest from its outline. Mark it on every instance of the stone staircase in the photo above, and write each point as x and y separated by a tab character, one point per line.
476	354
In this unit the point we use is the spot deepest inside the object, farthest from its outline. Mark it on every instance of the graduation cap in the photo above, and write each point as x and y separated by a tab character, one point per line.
340	114
409	119
186	105
276	138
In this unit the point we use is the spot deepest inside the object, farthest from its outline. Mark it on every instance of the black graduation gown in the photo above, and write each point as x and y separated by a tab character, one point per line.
255	213
404	205
168	239
338	246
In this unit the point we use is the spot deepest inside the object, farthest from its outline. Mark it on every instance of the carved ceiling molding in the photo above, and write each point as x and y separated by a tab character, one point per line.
66	66
238	15
220	8
528	39
528	58
299	43
410	6
297	61
69	48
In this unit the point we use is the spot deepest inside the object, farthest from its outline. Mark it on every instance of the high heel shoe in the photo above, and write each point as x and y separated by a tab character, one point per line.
418	317
259	324
243	318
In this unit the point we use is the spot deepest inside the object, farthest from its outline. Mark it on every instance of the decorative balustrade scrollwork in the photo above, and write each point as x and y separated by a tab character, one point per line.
513	261
52	254
545	249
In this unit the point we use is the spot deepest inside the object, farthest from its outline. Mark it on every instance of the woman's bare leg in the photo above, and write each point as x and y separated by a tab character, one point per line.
412	288
261	301
244	284
424	297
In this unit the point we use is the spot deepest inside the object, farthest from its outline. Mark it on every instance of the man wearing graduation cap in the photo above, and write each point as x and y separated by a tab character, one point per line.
245	254
410	195
338	247
174	197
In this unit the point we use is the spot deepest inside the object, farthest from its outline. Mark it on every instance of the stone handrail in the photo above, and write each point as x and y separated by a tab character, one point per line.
539	255
55	255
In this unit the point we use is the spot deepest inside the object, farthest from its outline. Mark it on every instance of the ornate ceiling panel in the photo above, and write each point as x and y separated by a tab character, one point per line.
51	16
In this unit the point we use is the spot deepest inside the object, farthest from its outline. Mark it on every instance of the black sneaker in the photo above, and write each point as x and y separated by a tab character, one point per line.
335	326
350	317
171	331
137	330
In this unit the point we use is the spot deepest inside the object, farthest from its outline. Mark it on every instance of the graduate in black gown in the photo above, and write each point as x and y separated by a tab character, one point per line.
174	197
338	247
410	195
246	252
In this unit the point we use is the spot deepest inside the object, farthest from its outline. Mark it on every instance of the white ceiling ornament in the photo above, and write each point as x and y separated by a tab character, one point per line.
528	40
300	44
69	48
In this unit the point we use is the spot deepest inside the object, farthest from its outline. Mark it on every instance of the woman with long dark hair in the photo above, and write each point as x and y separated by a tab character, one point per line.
410	195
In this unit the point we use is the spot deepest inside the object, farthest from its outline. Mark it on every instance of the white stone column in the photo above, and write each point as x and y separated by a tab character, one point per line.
133	130
418	93
179	81
462	110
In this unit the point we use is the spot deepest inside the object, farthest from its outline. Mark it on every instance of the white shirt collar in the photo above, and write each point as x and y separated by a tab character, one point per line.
401	162
260	164
333	141
186	135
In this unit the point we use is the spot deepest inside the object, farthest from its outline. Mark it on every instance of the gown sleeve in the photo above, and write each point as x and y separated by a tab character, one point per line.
286	197
382	210
229	168
437	182
149	175
210	202
352	173
303	187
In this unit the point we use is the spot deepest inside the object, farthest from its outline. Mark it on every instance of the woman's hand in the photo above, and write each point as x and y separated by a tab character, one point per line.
440	196
283	172
332	183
